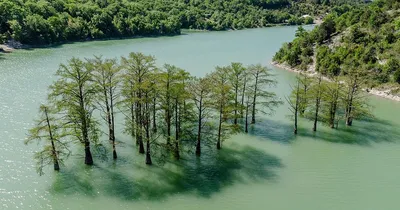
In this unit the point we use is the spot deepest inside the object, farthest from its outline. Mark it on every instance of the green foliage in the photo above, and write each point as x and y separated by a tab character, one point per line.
365	34
41	22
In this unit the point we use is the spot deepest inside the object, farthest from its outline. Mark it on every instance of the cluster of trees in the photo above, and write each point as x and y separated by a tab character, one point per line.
165	109
367	34
329	99
44	22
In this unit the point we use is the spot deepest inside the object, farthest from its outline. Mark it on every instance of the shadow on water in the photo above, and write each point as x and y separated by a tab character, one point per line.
272	130
363	133
202	177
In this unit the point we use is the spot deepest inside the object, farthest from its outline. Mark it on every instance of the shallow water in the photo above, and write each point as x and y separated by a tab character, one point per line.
349	169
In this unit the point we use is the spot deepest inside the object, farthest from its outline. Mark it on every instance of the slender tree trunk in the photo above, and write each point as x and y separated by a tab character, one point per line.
246	129
53	148
349	118
219	128
296	109
317	104
253	114
198	145
137	126
236	104
84	128
243	95
168	116
154	116
176	150
148	153
139	132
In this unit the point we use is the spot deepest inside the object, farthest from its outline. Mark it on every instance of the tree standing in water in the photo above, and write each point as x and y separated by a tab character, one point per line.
138	67
74	95
106	76
260	79
294	103
222	103
237	79
200	89
49	129
316	95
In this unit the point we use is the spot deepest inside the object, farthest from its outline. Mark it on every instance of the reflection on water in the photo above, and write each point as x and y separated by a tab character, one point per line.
198	176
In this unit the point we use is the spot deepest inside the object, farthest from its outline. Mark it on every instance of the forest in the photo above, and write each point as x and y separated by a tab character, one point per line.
43	22
364	39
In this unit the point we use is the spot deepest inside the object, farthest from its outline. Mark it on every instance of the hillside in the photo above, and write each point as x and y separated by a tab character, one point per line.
364	37
42	22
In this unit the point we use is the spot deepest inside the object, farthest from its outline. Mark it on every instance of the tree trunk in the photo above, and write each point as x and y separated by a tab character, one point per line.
53	148
243	95
176	150
219	128
296	107
154	116
317	103
198	145
88	154
236	104
246	129
148	153
112	123
253	114
349	118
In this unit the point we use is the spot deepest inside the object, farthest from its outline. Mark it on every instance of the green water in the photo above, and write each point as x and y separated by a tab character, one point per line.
350	169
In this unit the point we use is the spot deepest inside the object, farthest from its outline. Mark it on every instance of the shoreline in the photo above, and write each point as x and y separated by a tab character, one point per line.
12	45
380	93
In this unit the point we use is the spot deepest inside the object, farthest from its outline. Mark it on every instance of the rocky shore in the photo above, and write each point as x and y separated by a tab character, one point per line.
381	93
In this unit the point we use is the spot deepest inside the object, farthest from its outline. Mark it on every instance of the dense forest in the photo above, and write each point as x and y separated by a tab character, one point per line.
40	22
363	39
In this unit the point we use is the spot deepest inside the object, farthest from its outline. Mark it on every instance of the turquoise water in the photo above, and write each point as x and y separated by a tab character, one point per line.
349	169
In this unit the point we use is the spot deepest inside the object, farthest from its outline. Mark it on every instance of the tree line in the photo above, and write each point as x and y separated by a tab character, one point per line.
330	99
41	22
166	111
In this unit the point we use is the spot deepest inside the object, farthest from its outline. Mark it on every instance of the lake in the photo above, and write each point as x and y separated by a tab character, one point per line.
354	168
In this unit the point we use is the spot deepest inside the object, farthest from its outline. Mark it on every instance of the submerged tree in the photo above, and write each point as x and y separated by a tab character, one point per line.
354	99
294	102
237	78
261	78
74	95
317	96
138	67
49	129
222	101
107	78
331	96
200	89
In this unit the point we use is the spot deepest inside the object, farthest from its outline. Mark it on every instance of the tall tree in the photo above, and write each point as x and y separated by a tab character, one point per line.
237	79
49	129
317	96
261	78
354	99
139	66
331	96
107	77
200	88
294	102
74	94
168	78
223	95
